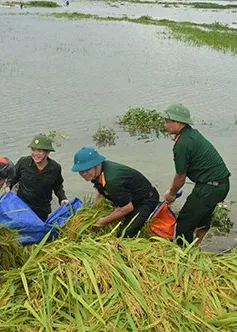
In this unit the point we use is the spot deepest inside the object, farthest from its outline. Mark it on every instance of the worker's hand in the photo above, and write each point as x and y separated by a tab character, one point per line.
7	189
100	223
64	201
169	198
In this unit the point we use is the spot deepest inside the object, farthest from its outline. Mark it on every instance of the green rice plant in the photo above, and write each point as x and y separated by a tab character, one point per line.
217	36
11	253
120	285
104	136
200	5
81	224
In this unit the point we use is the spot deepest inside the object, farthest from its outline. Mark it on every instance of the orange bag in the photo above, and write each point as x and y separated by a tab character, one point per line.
162	221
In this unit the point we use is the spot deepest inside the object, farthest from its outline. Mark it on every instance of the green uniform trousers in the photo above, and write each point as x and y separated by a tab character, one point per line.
198	209
140	214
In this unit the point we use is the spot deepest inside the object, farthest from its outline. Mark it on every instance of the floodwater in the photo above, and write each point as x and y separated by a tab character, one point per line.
134	10
70	76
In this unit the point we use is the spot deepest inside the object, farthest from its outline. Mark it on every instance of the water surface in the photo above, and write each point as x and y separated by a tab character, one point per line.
71	76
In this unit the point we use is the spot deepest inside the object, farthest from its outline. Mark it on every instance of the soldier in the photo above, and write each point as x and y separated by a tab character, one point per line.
130	191
38	176
196	158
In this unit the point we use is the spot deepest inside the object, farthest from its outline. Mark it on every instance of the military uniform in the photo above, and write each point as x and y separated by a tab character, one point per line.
35	187
122	184
197	157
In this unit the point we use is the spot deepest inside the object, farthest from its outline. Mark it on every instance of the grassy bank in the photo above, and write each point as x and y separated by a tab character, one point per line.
47	4
217	36
198	5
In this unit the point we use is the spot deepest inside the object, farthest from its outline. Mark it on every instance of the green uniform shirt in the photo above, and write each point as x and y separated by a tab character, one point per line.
122	184
35	187
197	157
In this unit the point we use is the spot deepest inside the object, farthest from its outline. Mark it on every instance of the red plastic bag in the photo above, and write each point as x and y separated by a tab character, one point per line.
162	221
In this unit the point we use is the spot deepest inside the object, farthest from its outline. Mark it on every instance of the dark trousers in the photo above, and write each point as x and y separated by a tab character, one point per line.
143	211
42	215
198	209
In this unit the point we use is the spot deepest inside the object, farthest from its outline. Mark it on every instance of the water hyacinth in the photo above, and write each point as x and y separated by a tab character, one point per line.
221	219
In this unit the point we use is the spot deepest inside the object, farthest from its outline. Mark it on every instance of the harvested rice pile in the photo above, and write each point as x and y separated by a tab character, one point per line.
11	253
101	283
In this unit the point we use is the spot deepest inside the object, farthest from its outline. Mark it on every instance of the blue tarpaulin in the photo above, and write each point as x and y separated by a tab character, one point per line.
16	214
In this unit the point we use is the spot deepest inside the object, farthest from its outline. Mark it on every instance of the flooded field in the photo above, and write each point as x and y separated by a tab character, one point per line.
134	10
70	76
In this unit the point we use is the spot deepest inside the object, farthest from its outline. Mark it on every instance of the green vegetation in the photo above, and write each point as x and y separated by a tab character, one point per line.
89	281
199	5
55	136
48	4
221	219
217	36
104	136
142	122
11	253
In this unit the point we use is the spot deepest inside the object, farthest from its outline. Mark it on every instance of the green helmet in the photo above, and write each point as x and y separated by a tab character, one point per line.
41	142
178	112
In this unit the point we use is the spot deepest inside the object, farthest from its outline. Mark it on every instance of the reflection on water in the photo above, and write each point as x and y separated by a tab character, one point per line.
72	75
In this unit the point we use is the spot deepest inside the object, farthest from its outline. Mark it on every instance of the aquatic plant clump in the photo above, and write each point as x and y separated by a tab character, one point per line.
221	219
104	136
142	122
56	136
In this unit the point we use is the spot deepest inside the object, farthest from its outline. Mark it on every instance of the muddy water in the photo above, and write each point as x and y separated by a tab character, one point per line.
72	75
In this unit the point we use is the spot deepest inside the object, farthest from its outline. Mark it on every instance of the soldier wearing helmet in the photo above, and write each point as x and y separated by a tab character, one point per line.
130	191
38	176
6	170
196	158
